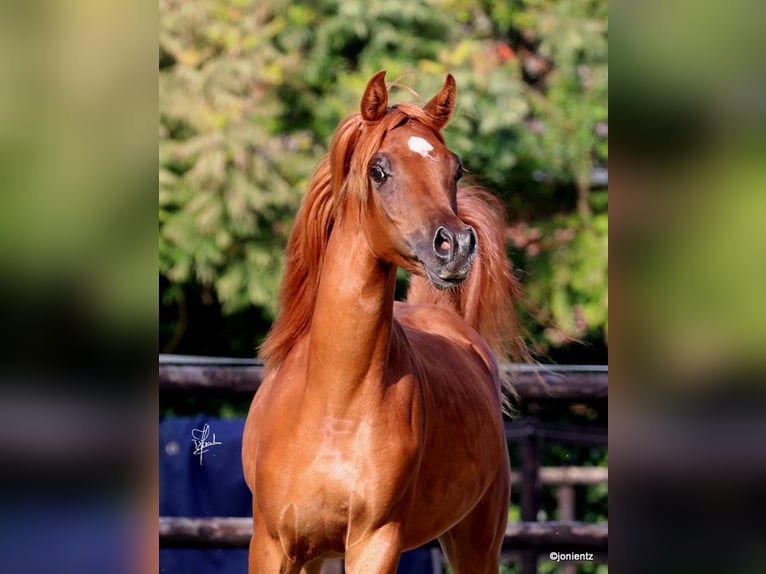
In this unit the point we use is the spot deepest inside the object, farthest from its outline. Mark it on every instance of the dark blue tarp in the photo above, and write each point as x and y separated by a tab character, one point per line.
216	488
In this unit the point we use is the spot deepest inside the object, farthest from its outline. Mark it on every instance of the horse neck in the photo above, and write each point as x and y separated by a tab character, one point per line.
351	326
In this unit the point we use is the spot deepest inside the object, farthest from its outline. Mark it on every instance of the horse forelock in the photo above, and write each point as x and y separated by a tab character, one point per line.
340	175
356	142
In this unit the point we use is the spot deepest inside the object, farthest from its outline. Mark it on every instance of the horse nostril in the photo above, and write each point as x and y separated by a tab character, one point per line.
443	243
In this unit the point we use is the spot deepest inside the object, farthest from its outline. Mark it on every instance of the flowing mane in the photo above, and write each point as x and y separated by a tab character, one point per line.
341	171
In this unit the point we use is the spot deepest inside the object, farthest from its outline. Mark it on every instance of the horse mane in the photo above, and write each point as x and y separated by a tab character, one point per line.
303	263
487	297
342	171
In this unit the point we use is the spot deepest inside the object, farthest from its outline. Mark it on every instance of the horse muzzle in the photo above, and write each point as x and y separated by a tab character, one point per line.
452	256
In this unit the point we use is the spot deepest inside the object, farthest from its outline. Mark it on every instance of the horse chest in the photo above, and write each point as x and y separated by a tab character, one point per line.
335	469
348	457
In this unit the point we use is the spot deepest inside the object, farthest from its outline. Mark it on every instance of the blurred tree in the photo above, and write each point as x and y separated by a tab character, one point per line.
250	93
229	178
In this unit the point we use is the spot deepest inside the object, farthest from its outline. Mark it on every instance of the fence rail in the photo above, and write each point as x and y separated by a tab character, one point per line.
229	532
565	382
569	475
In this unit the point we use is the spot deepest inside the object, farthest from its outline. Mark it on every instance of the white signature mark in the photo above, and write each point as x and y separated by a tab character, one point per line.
201	444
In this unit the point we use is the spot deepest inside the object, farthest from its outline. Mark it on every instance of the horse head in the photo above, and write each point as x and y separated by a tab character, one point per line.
409	183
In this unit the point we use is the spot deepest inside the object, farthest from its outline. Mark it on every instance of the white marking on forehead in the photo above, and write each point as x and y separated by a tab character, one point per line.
421	146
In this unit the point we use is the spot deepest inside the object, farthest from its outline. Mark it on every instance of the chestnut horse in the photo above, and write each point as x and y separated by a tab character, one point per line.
378	426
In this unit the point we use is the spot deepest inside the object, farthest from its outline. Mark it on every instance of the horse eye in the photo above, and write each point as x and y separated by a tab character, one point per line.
377	174
459	173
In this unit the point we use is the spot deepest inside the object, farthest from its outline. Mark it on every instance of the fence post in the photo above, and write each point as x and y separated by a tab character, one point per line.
565	495
530	488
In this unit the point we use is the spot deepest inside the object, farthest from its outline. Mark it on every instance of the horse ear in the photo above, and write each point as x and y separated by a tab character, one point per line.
441	106
375	98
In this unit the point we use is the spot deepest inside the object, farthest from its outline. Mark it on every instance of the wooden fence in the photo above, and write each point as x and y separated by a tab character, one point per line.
189	373
526	539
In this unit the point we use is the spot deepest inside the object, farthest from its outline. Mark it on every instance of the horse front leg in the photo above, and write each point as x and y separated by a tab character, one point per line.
473	545
266	555
377	552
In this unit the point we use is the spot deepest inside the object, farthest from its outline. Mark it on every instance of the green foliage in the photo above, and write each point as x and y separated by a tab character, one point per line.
250	93
569	254
229	177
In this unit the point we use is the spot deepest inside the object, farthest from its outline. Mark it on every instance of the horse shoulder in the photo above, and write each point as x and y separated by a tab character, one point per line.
444	324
